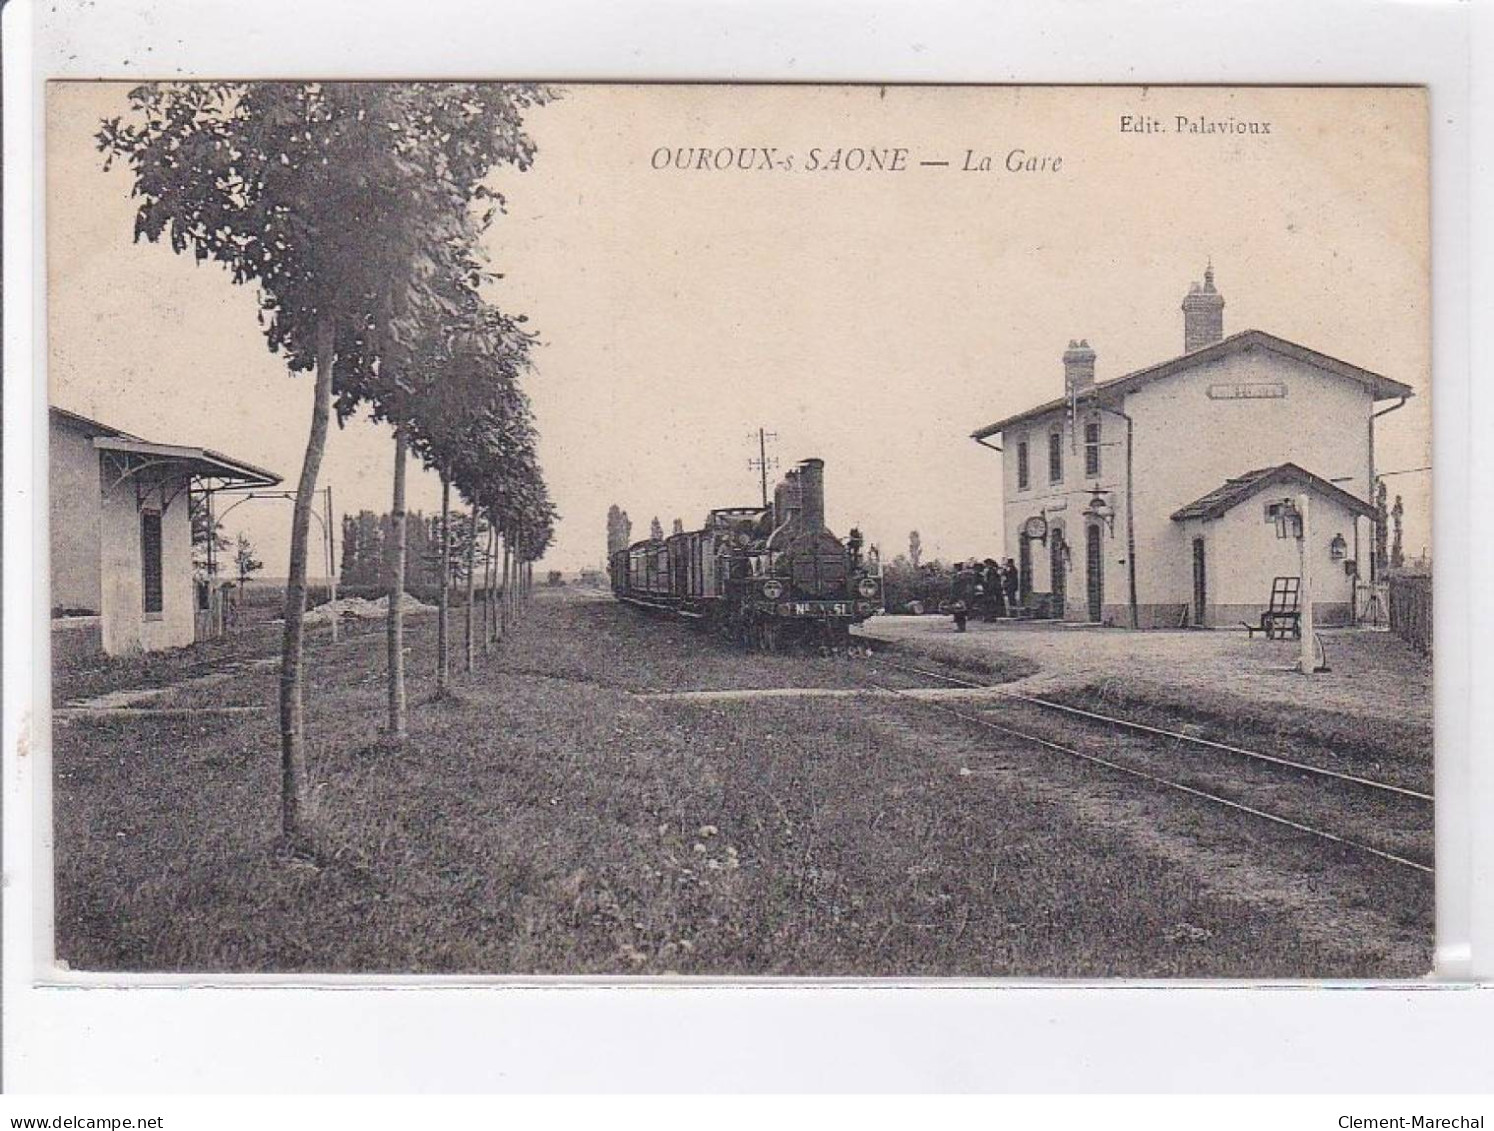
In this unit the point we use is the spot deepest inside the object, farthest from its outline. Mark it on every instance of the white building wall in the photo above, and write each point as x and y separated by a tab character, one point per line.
73	505
1242	554
1188	444
1064	503
126	626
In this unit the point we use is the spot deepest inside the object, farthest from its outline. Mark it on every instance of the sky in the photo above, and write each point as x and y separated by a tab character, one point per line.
869	318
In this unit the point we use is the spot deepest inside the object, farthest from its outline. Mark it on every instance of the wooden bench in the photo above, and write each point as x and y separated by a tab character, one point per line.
1283	616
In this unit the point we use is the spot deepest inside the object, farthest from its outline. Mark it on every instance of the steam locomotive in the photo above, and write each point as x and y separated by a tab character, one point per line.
768	576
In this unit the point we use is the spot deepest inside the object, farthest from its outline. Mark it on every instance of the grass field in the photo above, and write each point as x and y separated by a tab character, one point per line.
545	820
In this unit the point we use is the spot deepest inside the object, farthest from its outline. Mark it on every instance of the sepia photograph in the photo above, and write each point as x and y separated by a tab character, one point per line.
713	531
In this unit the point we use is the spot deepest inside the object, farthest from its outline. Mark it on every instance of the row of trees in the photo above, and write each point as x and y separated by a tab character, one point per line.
357	212
1390	554
620	529
368	539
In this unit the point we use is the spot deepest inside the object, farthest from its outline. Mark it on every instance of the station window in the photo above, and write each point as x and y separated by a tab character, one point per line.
1055	457
1092	449
1023	475
150	560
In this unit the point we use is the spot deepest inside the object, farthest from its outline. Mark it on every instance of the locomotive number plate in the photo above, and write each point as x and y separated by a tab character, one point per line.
820	609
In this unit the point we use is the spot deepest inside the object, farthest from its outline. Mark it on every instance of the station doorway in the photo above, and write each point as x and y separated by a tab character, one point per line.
1200	583
1058	571
1094	572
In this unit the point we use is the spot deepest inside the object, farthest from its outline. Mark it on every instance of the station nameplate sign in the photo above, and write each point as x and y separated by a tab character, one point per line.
1248	391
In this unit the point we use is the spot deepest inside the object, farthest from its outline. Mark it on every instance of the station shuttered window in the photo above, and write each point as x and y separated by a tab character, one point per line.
150	559
1092	449
1055	457
1023	473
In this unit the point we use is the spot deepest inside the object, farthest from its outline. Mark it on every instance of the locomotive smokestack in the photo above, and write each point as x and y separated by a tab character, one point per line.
786	498
812	494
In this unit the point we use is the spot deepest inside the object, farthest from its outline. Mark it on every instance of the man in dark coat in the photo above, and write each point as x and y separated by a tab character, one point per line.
963	593
995	585
1012	580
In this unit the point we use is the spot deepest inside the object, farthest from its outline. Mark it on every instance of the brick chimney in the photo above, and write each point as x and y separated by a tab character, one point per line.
1203	314
1078	366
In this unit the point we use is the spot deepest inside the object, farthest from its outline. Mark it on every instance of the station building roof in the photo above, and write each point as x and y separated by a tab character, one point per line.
1242	487
201	463
1381	388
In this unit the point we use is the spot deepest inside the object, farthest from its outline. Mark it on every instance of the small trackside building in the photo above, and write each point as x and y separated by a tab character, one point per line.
121	536
1230	533
1125	501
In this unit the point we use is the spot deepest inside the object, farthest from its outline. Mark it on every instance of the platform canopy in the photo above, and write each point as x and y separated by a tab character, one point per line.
128	456
212	470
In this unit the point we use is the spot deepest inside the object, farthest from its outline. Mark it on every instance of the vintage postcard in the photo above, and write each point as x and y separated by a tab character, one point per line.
740	530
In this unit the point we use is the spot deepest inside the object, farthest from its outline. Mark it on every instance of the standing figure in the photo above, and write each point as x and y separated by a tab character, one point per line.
995	582
963	592
1013	585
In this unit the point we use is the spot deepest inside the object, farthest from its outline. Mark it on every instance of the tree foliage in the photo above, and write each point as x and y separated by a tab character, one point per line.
366	538
245	563
355	211
1382	530
1397	520
208	538
344	199
619	529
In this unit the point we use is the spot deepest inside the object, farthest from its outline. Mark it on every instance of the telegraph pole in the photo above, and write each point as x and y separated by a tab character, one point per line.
763	463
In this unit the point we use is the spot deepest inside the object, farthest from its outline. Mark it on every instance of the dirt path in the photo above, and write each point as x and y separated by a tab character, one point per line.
116	701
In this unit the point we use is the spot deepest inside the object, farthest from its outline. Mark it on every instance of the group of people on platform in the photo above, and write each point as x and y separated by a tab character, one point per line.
989	588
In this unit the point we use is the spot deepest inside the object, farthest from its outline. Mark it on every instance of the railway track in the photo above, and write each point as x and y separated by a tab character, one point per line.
1389	822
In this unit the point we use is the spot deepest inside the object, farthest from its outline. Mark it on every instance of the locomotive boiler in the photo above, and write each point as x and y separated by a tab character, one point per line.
766	576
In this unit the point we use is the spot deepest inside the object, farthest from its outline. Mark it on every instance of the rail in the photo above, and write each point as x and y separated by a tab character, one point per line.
1177	736
1169	783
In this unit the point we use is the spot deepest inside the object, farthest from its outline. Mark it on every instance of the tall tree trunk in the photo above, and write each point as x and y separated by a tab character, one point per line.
443	601
295	818
518	578
506	595
471	640
489	572
396	566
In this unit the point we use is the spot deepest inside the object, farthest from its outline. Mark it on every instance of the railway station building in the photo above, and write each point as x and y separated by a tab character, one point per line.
121	536
1151	499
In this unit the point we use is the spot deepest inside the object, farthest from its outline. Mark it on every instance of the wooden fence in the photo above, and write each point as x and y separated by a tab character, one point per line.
1411	611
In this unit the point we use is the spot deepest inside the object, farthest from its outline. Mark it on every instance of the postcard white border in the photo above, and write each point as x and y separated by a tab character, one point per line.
187	1035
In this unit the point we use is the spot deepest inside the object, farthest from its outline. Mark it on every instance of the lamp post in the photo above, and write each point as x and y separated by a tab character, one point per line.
1294	520
1307	662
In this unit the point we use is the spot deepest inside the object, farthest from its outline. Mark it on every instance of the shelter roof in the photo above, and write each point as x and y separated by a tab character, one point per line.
201	463
1242	487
